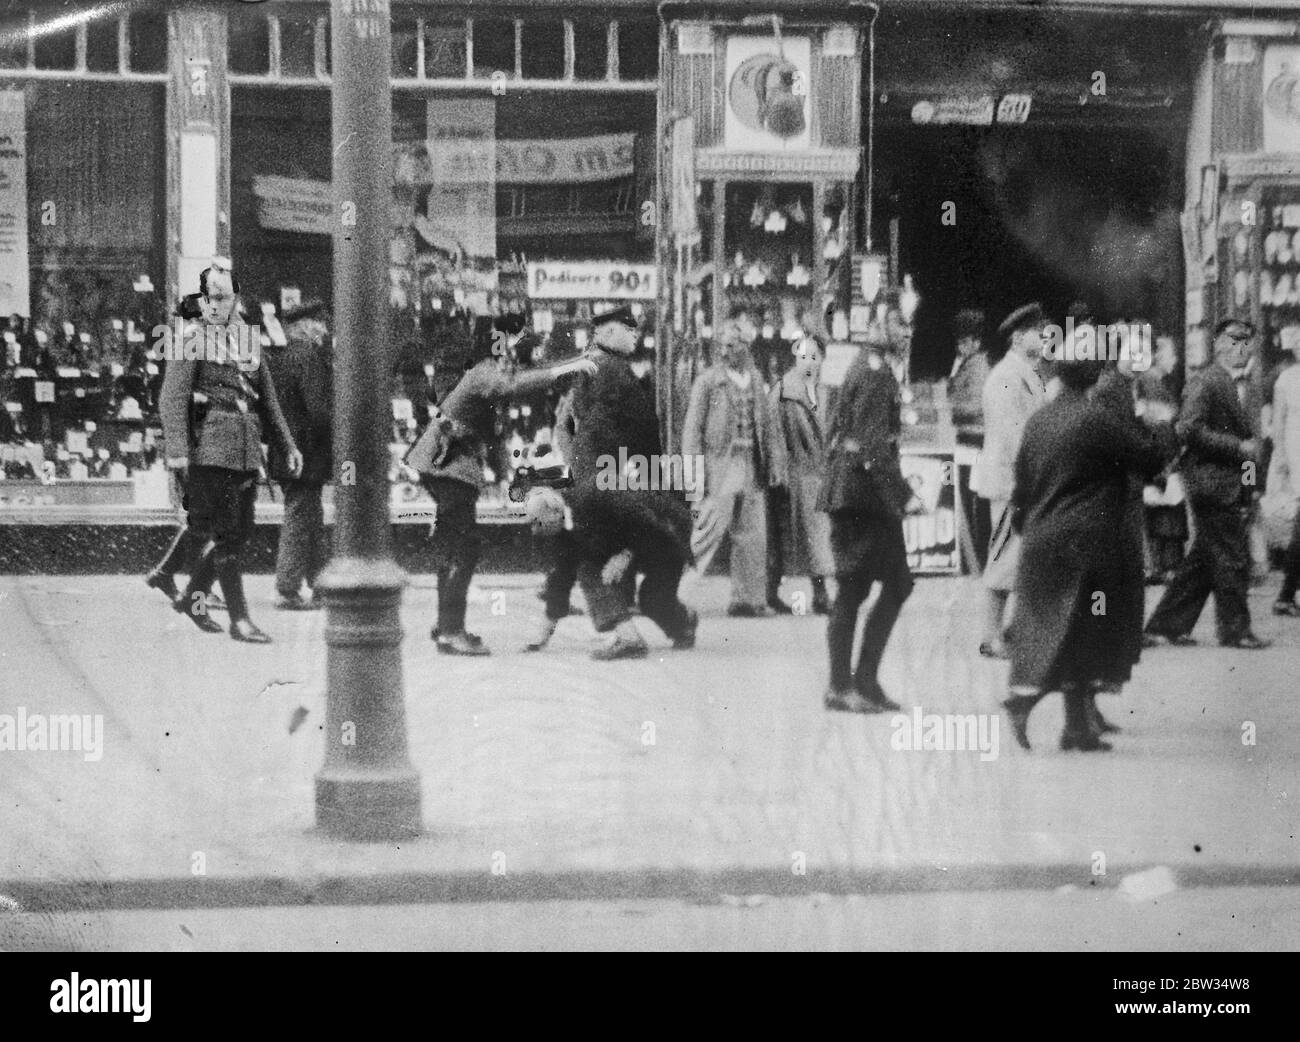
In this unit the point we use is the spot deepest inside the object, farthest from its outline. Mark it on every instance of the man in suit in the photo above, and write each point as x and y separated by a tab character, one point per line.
865	494
1218	471
213	409
970	371
729	424
1012	393
304	382
625	526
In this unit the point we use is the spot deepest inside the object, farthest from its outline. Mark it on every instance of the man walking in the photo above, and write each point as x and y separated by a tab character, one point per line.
1013	392
728	422
1221	456
213	410
305	386
1286	468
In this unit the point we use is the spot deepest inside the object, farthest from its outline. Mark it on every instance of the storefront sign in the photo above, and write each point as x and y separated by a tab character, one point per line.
768	93
1282	98
976	111
685	221
591	281
293	204
930	523
15	295
603	157
827	162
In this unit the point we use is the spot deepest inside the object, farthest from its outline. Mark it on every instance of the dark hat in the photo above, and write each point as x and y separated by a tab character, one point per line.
619	314
1232	320
968	322
1024	317
307	309
190	306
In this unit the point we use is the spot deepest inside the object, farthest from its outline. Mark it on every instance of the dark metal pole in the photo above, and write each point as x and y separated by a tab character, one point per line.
367	788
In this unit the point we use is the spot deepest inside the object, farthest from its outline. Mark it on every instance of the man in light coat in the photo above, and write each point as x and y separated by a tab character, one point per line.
728	423
1013	392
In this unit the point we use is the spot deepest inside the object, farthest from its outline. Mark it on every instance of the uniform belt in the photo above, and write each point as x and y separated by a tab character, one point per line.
239	405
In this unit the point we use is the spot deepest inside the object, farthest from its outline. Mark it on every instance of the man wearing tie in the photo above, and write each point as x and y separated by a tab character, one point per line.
1222	455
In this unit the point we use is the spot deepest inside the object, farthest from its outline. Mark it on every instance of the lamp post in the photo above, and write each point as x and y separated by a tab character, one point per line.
367	788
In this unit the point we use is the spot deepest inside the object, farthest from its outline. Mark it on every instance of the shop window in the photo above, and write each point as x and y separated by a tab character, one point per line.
57	50
405	47
638	50
540	199
508	202
543	50
494	47
101	45
298	46
590	49
444	51
13	41
147	33
248	41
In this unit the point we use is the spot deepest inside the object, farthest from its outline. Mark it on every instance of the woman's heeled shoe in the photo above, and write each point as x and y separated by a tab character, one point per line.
1018	708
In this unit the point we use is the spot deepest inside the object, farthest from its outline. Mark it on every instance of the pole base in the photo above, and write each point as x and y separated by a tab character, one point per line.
369	806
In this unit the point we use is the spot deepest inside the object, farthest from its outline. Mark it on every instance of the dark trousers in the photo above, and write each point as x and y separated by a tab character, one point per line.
304	548
866	551
976	511
1219	563
457	546
178	552
778	521
560	580
220	513
1291	564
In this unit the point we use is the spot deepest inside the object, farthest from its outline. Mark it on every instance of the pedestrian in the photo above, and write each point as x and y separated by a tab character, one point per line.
304	383
1218	465
1164	500
624	525
729	426
970	371
865	494
450	457
214	410
1012	393
1075	618
799	537
1285	470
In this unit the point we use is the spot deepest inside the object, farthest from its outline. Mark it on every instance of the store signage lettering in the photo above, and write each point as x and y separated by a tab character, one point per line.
591	281
840	162
603	157
976	111
14	288
293	204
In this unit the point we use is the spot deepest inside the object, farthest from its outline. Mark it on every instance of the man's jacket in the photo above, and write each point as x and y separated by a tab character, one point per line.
1213	425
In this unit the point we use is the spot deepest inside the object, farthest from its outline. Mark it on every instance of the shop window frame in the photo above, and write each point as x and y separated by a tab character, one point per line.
78	70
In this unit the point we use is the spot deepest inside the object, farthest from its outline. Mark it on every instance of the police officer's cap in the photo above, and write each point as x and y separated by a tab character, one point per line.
1024	317
621	314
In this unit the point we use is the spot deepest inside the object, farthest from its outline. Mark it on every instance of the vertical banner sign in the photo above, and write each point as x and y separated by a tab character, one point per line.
455	216
686	225
15	296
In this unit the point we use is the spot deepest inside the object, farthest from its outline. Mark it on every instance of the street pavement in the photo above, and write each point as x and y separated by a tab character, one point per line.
681	776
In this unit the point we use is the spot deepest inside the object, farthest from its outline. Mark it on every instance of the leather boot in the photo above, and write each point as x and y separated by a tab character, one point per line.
1078	733
193	601
821	602
232	588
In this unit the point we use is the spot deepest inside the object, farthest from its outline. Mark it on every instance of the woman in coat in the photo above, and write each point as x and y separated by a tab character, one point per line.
1074	612
799	535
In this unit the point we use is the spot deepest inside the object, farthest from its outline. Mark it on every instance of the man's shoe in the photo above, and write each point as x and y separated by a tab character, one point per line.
1248	642
215	603
244	630
849	702
779	606
875	694
621	647
749	611
544	633
162	582
1083	743
1289	608
297	602
458	644
1157	640
201	619
685	640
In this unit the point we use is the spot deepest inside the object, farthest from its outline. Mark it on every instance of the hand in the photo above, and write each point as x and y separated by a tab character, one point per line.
1250	448
180	464
585	365
295	463
616	567
1157	412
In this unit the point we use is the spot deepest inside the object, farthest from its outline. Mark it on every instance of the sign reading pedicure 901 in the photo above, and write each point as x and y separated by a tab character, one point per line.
591	280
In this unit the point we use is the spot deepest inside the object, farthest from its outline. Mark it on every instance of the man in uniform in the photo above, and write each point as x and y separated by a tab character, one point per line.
866	495
213	410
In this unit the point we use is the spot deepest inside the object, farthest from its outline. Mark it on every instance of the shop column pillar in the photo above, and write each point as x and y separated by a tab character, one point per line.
198	146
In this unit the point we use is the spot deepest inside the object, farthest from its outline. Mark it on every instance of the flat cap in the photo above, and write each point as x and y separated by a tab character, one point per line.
1023	317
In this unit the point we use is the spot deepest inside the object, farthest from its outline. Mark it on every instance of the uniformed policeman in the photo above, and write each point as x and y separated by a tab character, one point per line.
865	495
213	411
